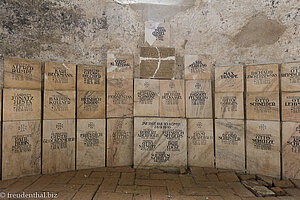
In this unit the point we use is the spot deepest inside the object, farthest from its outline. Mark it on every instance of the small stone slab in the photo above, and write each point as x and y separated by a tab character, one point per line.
228	177
291	106
229	105
290	77
263	147
90	104
22	73
157	34
91	78
60	76
257	189
245	177
229	79
283	183
119	66
197	67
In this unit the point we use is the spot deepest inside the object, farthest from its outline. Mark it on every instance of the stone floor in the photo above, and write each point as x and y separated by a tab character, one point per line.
128	183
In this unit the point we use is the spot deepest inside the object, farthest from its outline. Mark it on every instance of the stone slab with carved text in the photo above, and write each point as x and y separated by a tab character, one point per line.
290	77
291	106
90	105
229	105
91	78
157	34
119	66
197	67
229	79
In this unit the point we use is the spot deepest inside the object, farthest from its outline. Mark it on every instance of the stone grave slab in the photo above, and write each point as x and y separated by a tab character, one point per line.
290	77
229	79
119	66
91	78
291	106
90	104
229	105
197	67
157	34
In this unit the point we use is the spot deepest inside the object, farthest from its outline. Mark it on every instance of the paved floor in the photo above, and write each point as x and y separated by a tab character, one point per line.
127	183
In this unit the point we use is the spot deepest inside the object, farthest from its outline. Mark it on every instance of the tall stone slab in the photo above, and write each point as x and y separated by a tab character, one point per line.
172	102
90	143
200	143
90	78
291	106
229	105
290	77
146	97
119	66
197	67
230	144
263	147
58	154
157	34
119	142
229	79
160	143
90	104
198	99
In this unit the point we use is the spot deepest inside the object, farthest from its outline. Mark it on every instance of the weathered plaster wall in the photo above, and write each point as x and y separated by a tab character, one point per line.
230	31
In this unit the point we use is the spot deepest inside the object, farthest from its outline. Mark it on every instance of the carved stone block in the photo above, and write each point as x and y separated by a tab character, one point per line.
291	106
229	79
91	78
197	67
290	77
119	66
90	105
229	105
157	34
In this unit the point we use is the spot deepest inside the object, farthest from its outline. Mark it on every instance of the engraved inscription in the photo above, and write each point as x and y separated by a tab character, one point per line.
160	157
22	102
91	76
21	72
294	142
91	103
147	134
197	67
229	104
172	97
159	33
230	138
21	143
198	97
120	97
147	145
261	76
200	138
263	141
294	103
120	65
59	102
146	96
293	75
263	104
91	138
120	137
60	75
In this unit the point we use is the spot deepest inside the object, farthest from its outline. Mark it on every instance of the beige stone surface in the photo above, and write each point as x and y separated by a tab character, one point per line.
22	73
290	77
58	152
200	142
146	97
291	106
198	99
160	143
172	102
91	78
21	149
263	106
60	76
291	150
229	105
262	78
59	104
90	143
230	144
157	34
263	147
21	104
120	98
229	79
90	104
119	66
119	142
197	67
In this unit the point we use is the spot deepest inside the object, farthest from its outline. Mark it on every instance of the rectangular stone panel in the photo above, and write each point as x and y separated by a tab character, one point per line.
198	99
22	73
291	150
21	149
157	62
90	104
230	144
119	98
146	97
263	147
160	143
58	146
200	143
229	79
60	76
59	104
263	106
290	77
119	66
291	106
157	34
197	67
91	78
262	78
172	103
229	105
119	142
90	143
21	104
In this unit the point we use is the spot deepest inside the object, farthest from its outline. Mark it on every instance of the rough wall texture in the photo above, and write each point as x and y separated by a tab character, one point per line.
230	31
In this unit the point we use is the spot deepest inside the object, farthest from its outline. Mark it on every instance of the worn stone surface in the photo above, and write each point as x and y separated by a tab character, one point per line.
291	106
119	66
229	79
91	78
157	34
290	77
197	67
259	190
90	104
229	105
283	183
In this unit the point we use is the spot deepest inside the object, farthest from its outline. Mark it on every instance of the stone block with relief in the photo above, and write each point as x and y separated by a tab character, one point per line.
200	143
157	62
263	147
59	104
90	105
229	79
230	144
160	143
198	99
21	104
90	143
263	106
91	78
262	78
21	149
120	98
291	150
290	77
291	106
172	102
119	66
60	76
157	34
197	67
119	142
146	97
229	105
58	146
22	73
